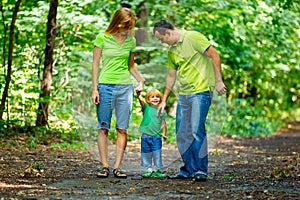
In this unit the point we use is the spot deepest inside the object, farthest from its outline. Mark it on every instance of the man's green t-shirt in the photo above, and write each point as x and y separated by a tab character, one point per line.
194	68
114	66
151	124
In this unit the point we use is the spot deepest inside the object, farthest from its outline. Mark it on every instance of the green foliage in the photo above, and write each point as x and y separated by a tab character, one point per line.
258	42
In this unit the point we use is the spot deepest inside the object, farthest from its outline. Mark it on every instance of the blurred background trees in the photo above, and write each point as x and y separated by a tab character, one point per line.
258	42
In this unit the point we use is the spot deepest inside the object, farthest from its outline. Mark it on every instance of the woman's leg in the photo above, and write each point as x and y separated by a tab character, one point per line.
120	147
103	146
104	113
123	96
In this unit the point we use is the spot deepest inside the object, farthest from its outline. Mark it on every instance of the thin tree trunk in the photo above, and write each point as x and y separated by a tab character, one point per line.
42	115
9	63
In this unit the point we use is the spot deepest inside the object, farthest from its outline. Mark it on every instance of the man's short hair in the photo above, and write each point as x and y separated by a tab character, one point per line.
161	27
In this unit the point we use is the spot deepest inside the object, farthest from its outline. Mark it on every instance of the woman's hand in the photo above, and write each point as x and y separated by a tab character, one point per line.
140	87
95	97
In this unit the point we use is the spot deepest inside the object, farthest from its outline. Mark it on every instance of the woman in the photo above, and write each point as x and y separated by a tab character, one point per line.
115	47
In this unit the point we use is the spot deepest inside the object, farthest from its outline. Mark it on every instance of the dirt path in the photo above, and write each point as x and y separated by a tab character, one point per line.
239	168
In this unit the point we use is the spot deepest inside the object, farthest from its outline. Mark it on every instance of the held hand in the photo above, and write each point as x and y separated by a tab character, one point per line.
220	88
140	86
138	92
161	108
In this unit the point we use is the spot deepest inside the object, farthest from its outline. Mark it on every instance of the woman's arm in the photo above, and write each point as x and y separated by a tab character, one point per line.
95	66
134	72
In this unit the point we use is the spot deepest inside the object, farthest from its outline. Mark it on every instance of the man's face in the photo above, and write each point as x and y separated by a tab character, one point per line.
167	39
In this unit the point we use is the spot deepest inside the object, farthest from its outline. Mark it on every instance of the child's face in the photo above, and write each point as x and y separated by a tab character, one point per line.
154	100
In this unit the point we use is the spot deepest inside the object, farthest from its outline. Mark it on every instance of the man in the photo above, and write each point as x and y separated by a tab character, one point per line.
197	65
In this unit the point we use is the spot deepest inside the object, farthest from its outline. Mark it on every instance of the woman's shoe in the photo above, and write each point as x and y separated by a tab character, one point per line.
118	173
103	173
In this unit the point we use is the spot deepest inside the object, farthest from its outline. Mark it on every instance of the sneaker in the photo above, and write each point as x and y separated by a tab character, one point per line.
158	174
147	174
200	177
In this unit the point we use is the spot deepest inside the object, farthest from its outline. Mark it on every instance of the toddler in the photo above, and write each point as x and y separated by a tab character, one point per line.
153	129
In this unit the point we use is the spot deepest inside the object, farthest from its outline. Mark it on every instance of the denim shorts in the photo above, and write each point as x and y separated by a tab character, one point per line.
116	97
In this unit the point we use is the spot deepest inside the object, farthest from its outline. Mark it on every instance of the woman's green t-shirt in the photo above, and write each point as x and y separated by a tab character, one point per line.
114	66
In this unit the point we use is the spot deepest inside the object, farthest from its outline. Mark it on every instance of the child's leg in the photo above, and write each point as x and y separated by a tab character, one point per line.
158	159
146	151
157	145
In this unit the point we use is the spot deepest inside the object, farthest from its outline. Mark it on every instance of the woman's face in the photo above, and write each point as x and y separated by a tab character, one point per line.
125	27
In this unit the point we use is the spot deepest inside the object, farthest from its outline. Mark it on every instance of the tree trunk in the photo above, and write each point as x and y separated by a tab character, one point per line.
42	115
141	34
9	63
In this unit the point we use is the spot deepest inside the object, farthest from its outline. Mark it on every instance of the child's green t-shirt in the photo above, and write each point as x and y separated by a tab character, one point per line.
114	66
151	124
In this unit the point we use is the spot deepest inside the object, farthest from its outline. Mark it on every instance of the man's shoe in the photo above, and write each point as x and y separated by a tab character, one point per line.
147	174
158	174
177	176
200	177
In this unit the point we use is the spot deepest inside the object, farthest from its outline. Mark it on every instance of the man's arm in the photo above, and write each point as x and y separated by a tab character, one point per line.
213	54
170	81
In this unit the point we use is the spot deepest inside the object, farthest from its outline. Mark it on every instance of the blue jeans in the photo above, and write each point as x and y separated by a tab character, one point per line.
190	132
151	149
118	97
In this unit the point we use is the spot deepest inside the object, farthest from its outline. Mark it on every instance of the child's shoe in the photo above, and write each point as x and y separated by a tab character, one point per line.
147	174
158	174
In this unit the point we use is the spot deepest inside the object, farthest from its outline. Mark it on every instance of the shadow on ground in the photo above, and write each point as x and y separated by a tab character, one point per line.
239	168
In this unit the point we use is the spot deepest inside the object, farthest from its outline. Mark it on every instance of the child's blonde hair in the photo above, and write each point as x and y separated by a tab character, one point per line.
153	92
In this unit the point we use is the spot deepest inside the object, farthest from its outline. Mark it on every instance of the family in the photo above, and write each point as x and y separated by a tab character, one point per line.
191	60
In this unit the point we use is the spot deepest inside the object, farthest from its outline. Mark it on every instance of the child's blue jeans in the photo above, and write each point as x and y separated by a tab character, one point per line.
151	150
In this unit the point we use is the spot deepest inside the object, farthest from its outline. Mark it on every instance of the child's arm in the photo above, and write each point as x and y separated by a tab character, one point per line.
140	98
164	129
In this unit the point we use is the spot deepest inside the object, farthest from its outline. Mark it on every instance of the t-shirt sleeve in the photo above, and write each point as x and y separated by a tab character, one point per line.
199	41
133	49
171	63
99	40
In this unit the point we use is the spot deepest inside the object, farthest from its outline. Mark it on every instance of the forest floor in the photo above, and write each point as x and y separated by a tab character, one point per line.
239	168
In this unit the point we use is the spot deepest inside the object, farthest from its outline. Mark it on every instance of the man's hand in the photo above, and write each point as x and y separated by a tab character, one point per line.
161	108
220	88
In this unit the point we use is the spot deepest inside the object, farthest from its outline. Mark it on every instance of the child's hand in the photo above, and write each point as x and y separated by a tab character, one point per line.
138	92
165	138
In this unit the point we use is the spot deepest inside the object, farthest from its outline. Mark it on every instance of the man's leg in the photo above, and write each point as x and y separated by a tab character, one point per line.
199	149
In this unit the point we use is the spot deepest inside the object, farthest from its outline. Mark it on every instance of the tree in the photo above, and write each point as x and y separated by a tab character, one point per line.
10	52
42	115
